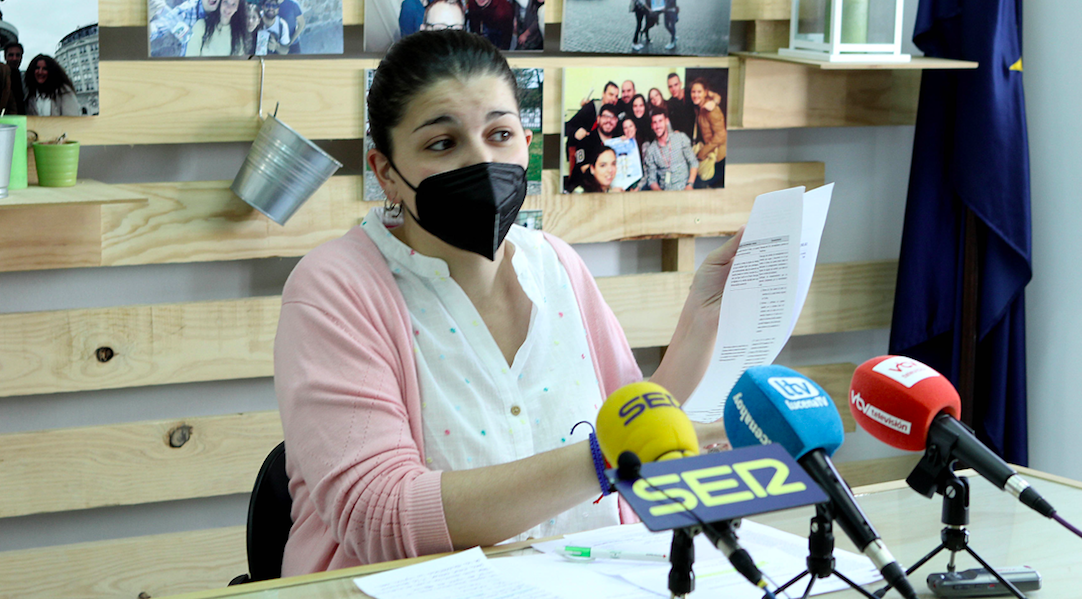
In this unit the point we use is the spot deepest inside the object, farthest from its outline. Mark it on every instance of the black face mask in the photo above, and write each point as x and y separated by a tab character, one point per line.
471	208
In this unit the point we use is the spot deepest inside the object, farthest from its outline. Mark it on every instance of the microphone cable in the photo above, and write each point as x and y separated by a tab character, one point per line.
628	468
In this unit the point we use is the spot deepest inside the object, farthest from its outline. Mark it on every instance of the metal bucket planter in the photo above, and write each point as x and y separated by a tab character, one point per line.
282	170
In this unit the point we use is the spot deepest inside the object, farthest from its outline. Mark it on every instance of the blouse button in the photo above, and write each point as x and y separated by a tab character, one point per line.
515	410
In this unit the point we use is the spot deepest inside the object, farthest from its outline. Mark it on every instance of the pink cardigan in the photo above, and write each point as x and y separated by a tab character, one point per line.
348	394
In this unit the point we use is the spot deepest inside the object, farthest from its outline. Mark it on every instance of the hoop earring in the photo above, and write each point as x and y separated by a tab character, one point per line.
392	209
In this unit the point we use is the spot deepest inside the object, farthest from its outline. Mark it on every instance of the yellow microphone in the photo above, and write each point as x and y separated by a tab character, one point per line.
645	419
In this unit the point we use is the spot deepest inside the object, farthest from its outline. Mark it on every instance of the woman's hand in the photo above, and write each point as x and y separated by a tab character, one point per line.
711	435
709	282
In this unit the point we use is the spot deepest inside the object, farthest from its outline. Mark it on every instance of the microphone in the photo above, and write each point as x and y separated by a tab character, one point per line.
642	422
907	404
775	404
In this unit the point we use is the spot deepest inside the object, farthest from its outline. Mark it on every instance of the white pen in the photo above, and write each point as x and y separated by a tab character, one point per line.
589	553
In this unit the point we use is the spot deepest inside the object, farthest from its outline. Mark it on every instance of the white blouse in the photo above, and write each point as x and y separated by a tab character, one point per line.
478	410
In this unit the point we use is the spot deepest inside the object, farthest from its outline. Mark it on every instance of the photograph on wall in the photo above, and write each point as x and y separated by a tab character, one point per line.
531	83
51	51
666	27
508	24
643	129
201	28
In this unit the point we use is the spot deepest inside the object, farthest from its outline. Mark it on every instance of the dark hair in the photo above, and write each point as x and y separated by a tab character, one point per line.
589	181
54	85
701	81
656	110
671	75
611	84
238	27
645	102
12	45
419	61
607	108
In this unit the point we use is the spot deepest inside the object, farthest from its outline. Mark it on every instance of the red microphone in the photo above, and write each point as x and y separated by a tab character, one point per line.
907	404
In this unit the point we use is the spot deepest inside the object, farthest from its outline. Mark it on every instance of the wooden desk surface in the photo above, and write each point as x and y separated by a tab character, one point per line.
1001	530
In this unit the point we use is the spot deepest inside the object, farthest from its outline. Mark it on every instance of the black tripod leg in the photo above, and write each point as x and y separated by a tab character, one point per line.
1013	589
807	591
855	586
883	591
791	582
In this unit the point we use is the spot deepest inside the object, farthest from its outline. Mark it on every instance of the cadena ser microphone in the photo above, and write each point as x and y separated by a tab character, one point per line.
775	404
642	422
907	404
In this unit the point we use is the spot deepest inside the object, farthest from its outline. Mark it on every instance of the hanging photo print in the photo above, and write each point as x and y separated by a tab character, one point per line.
643	129
530	83
199	28
676	27
51	51
508	24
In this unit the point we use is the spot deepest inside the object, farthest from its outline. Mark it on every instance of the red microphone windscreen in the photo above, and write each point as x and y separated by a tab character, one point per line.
896	398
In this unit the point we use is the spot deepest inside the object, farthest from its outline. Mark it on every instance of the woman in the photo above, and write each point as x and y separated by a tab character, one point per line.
414	355
710	136
643	134
656	99
644	20
49	91
600	172
221	32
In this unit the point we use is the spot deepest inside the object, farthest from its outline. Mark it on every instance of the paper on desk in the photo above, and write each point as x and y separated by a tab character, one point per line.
463	575
780	555
767	286
568	579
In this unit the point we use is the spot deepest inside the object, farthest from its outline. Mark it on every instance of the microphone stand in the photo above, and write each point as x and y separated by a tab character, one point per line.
682	556
821	553
955	516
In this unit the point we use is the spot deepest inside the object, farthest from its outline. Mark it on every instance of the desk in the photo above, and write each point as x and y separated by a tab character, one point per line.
1002	531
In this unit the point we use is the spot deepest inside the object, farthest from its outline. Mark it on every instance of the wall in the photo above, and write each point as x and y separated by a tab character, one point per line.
870	166
1054	335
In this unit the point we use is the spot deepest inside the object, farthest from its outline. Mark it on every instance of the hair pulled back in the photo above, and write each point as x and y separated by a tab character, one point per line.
421	60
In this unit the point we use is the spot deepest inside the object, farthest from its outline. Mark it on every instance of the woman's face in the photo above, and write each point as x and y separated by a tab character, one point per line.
655	97
452	124
604	168
253	18
698	92
228	8
41	72
629	128
638	107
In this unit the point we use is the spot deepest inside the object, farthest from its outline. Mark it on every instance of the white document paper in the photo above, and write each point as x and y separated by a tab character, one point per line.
765	293
463	575
778	554
568	579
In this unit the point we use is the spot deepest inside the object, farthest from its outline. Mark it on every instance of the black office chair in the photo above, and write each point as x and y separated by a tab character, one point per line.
268	519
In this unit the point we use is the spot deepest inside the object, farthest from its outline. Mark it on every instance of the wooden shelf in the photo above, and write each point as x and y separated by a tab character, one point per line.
916	63
85	192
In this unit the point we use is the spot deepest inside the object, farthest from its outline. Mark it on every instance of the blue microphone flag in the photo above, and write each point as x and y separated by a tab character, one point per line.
775	404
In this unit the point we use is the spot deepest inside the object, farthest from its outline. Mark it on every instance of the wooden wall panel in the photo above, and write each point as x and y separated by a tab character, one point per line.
128	464
50	237
50	352
834	379
157	565
205	221
849	296
779	95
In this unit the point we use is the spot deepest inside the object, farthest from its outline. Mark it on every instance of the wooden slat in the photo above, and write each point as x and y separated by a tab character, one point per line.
204	221
835	379
768	36
49	352
678	255
85	191
916	63
50	237
133	13
156	565
850	296
128	464
781	94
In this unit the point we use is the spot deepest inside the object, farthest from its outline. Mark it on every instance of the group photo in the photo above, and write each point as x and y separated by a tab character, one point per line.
508	24
197	28
643	129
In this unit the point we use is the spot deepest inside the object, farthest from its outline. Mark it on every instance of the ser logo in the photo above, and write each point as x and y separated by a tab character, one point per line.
640	403
713	486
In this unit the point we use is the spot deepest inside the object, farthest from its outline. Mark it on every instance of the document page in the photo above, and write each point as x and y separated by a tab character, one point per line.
463	575
765	293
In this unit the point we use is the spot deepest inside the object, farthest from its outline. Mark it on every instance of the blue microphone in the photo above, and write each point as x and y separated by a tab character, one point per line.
775	404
